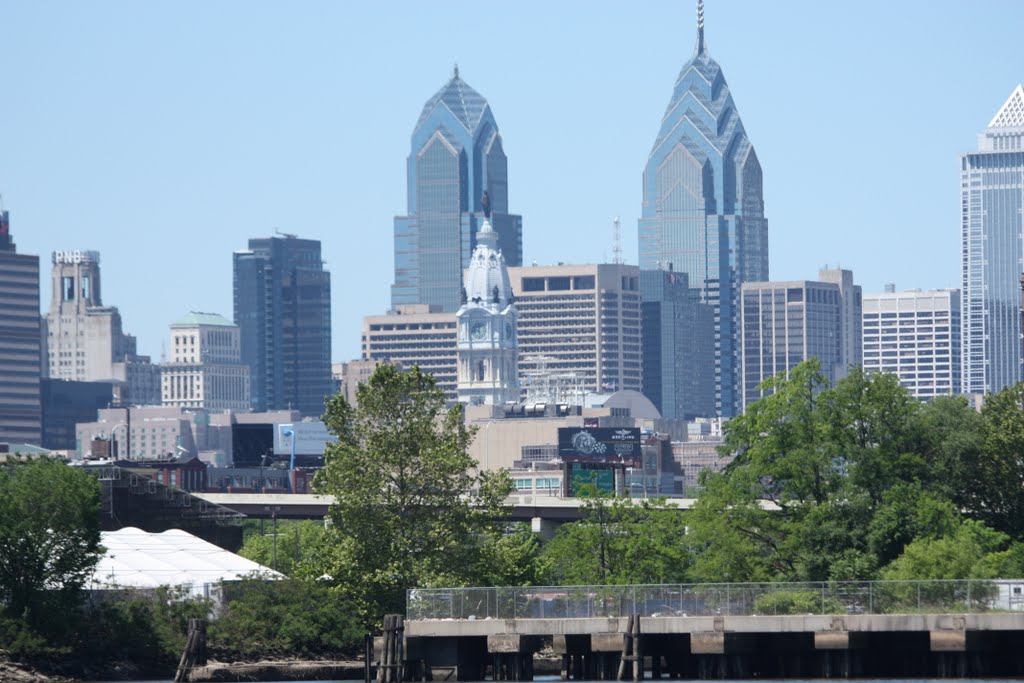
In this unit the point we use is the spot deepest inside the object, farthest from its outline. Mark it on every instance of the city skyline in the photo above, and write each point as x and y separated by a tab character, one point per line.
200	149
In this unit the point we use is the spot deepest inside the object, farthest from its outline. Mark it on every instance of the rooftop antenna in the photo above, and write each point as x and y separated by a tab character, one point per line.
700	27
616	240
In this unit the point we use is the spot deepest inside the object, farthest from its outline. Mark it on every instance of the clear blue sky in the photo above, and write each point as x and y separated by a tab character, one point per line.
165	134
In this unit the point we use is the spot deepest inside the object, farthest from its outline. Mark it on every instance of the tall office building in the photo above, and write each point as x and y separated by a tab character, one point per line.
785	323
915	335
415	334
283	312
991	205
678	344
20	339
488	373
580	323
206	368
456	159
703	210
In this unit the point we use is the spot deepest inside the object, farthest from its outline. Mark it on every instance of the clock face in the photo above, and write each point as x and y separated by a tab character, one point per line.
508	330
478	331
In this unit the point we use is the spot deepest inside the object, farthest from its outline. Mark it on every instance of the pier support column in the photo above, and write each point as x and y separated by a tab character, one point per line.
512	656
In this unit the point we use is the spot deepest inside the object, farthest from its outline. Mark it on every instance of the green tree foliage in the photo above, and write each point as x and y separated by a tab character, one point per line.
49	540
995	484
620	541
300	546
966	553
402	478
287	618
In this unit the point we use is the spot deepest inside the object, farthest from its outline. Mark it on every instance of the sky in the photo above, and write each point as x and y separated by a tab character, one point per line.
166	134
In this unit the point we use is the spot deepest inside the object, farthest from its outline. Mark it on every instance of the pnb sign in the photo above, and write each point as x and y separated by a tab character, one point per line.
69	257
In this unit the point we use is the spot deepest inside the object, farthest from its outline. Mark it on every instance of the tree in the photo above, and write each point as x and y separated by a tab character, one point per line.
298	547
49	539
620	541
405	514
994	486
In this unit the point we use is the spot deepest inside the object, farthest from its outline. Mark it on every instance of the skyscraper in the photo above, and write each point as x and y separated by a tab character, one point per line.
20	341
206	368
703	212
283	311
84	340
785	323
456	158
678	345
915	335
991	202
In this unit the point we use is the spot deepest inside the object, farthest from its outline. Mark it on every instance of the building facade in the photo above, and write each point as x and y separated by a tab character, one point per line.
992	201
579	323
415	334
206	369
678	346
786	323
488	372
703	210
282	303
85	340
20	339
455	162
915	335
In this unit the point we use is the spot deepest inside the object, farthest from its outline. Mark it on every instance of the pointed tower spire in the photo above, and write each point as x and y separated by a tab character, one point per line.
455	71
700	27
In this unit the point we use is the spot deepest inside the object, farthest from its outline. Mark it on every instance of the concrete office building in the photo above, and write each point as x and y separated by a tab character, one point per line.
455	161
992	227
678	344
785	323
206	369
415	334
20	353
85	340
282	303
581	322
915	335
703	207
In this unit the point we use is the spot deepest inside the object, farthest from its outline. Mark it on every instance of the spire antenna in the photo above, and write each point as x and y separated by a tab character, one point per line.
700	27
455	71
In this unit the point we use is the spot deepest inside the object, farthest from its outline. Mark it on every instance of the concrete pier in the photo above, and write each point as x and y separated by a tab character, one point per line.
721	647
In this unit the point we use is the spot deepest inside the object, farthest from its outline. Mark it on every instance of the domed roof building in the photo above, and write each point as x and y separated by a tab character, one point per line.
487	346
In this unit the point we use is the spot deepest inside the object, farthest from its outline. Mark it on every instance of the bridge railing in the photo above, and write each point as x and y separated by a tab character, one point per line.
717	599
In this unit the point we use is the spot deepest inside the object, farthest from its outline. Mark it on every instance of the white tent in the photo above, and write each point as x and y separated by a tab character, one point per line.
139	559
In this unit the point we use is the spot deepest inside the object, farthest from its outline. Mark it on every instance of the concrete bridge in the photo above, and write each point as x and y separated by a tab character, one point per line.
716	631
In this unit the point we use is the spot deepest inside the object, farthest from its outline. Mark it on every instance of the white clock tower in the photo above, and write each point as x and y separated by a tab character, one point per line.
488	351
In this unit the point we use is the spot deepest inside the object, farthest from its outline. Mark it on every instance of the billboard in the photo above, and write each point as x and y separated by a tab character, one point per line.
310	438
601	475
619	446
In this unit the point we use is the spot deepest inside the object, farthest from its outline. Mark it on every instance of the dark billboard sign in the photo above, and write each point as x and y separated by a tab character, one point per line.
619	446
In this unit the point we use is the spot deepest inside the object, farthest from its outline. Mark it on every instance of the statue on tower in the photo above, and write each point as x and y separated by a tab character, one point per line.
485	202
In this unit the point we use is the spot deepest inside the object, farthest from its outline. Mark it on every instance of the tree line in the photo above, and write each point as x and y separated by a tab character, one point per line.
848	482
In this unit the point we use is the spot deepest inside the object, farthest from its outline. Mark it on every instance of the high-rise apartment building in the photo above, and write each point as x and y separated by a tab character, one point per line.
992	223
20	354
703	211
915	335
785	323
415	334
282	301
581	322
678	343
455	162
206	369
85	341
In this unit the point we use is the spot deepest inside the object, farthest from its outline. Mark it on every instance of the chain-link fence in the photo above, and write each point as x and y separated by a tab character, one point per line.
718	599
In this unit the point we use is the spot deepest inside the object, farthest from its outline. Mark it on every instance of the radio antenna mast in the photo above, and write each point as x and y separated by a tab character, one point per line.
616	240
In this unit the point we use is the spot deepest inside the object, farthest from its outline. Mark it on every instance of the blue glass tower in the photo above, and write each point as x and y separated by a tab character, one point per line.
703	212
992	221
282	301
456	157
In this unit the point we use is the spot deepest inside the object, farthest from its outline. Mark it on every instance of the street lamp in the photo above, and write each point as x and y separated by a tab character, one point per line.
263	462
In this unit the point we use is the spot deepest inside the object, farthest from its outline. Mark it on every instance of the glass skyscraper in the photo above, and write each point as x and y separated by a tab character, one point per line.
20	342
703	212
991	193
456	157
283	311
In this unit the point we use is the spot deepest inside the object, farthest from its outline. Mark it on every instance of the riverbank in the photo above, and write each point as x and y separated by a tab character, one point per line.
277	671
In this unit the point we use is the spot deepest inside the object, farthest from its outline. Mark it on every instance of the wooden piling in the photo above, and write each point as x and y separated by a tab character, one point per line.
195	650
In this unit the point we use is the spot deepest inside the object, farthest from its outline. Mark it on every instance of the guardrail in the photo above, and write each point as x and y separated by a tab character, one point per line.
717	599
